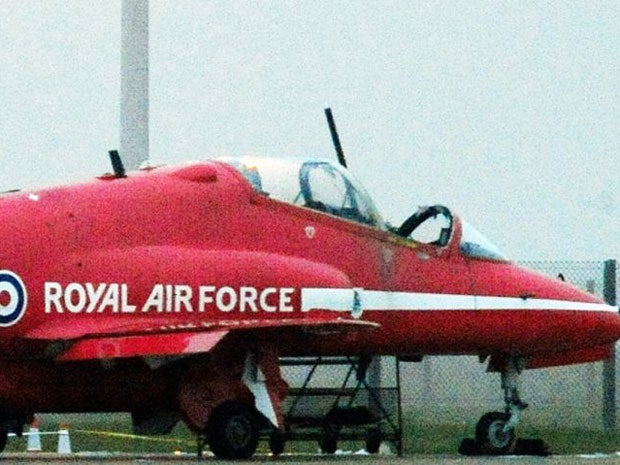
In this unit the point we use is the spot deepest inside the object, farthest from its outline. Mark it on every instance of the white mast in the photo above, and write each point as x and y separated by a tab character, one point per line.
134	147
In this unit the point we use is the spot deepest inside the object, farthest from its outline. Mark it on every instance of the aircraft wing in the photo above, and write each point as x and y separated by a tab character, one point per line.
161	344
113	340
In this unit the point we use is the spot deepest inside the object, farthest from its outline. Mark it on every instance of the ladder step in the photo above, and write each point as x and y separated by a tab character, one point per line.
312	392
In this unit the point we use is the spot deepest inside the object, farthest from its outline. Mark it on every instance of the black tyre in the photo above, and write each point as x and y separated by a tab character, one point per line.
232	431
4	435
277	441
373	440
490	434
329	442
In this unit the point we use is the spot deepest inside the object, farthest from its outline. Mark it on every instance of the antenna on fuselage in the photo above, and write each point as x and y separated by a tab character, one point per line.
117	164
335	138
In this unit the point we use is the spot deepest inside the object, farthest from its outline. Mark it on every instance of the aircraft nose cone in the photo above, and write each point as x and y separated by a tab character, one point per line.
533	313
603	319
598	322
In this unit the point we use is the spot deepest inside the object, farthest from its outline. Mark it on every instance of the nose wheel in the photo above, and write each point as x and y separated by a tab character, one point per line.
492	436
495	431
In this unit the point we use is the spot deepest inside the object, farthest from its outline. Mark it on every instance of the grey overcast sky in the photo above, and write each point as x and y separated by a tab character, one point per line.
508	112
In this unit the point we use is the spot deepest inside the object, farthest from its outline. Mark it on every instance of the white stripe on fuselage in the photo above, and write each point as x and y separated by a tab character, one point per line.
339	299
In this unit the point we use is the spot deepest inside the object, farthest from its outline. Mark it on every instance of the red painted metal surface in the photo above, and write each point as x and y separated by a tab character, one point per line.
177	261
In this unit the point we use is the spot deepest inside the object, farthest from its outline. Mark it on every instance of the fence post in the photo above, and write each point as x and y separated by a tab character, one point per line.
609	365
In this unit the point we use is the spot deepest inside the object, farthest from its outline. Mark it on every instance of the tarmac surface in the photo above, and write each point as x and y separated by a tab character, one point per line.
93	458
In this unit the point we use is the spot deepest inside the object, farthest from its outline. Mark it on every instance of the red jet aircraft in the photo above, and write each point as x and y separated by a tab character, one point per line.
172	292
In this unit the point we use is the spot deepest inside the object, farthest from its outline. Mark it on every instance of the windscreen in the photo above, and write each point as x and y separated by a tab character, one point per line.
474	244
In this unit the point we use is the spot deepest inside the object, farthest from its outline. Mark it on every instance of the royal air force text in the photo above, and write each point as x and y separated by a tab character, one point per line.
77	298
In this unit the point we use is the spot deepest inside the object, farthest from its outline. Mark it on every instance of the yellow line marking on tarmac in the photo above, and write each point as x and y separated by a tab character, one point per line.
132	436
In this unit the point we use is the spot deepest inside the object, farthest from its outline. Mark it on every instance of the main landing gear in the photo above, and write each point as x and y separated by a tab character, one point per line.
495	431
232	432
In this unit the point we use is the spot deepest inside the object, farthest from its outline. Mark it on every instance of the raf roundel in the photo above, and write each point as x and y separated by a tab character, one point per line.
13	298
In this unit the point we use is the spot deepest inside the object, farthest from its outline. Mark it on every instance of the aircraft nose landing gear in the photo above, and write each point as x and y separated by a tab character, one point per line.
495	431
493	436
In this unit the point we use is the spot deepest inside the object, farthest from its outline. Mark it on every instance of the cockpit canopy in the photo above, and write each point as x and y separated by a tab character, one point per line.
434	225
317	184
327	187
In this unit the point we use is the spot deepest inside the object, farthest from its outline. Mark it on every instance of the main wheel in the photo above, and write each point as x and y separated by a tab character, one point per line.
490	434
373	440
4	435
277	441
232	431
329	442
